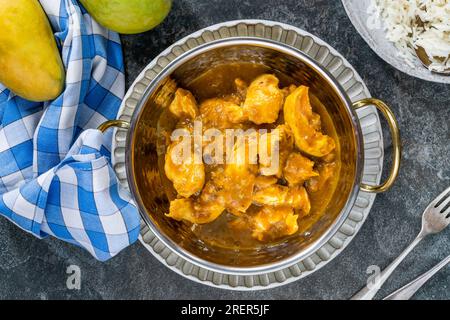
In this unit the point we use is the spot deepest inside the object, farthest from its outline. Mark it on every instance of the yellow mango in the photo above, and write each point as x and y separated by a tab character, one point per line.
30	63
128	16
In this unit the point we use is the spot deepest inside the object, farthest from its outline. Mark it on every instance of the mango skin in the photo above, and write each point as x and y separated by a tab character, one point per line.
128	16
30	63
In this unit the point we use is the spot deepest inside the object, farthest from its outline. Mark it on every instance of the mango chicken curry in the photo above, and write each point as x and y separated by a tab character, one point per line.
249	201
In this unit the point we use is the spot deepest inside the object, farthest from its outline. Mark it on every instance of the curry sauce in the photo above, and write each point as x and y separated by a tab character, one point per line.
250	204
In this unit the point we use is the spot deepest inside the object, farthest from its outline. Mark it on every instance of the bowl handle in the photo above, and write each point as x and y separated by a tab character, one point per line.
396	143
114	123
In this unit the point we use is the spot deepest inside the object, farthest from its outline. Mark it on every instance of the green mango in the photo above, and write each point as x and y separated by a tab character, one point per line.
30	63
128	16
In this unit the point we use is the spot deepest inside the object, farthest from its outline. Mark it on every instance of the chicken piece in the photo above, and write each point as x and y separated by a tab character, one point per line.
298	169
241	88
194	211
229	190
237	190
279	141
288	90
264	100
238	187
232	185
272	223
315	118
262	182
233	98
304	123
301	197
221	114
238	179
186	172
274	195
279	196
184	105
205	209
326	172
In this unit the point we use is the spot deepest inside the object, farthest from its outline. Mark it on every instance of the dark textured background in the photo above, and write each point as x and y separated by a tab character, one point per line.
30	268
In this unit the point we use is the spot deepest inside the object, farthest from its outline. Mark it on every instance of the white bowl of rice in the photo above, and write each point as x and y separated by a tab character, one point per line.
395	28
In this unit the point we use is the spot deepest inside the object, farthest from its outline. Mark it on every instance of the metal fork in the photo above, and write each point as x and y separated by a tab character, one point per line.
411	288
434	219
425	60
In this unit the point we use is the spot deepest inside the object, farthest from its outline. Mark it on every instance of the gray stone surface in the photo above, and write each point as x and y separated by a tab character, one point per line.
34	269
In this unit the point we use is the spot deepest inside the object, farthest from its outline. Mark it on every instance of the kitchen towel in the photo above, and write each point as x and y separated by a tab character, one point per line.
55	172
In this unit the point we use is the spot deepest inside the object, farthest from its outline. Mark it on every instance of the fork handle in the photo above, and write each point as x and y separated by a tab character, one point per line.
411	288
367	293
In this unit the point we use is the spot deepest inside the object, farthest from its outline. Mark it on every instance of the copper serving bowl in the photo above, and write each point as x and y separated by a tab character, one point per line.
145	148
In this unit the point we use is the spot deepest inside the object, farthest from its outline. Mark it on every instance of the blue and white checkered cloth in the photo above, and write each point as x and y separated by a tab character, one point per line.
56	179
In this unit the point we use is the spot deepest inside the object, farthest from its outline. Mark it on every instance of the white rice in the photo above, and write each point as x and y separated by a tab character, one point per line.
400	18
